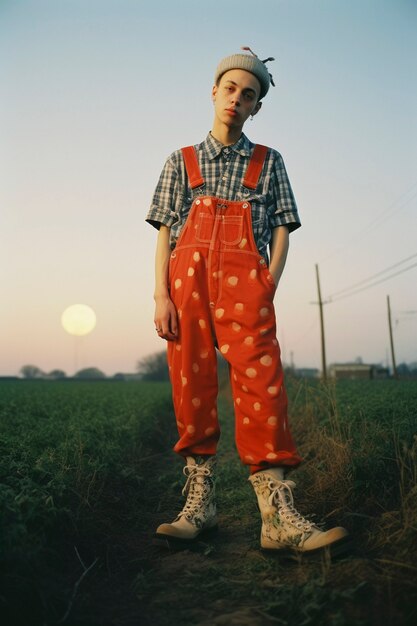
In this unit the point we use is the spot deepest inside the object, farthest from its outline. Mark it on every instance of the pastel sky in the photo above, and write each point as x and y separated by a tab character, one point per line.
95	94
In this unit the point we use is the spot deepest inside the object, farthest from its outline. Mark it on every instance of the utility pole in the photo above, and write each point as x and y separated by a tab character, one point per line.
394	365
323	347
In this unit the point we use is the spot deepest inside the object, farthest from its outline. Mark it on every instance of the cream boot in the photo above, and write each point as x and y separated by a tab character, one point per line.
283	527
199	512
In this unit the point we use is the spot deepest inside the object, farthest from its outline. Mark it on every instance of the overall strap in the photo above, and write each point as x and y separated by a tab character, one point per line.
191	165
255	166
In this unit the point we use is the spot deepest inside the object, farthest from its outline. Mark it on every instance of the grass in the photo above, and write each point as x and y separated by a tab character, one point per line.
86	475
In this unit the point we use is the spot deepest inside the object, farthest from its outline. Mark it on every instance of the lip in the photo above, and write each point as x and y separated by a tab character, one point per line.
232	112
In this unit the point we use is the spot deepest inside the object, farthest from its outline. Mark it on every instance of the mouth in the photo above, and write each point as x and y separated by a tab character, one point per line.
231	112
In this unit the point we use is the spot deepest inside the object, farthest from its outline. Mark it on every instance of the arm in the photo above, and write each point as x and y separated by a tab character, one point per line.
280	243
165	313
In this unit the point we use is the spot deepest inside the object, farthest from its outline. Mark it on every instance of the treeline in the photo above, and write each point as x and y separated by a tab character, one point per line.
33	372
153	367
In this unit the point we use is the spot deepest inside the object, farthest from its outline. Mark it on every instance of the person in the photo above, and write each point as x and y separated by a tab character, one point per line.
218	207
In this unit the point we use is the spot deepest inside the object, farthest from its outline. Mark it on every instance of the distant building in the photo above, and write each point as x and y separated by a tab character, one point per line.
357	371
307	372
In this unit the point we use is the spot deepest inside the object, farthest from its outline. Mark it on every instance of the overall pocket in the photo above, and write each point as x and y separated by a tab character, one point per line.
205	225
231	229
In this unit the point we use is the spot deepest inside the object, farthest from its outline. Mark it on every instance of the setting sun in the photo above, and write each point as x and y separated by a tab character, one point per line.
78	319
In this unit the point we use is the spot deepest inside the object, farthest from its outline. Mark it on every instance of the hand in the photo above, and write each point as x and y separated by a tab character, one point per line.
166	320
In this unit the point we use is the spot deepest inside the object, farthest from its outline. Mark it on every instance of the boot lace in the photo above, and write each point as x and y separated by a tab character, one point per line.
197	488
281	497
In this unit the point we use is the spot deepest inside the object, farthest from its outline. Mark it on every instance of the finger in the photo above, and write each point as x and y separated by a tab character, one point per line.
174	324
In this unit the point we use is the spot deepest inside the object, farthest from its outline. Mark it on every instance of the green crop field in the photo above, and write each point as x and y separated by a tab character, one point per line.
87	472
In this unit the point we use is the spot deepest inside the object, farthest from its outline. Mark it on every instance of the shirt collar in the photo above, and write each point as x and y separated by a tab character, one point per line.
212	147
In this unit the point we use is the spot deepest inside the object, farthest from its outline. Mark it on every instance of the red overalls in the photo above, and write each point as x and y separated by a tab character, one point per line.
223	292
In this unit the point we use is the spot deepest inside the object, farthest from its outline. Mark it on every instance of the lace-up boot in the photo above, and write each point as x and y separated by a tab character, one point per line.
199	512
283	528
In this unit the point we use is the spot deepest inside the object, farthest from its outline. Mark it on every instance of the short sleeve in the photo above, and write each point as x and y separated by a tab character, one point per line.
166	198
284	211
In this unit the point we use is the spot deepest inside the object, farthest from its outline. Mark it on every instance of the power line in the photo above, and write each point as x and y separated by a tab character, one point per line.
366	280
401	201
378	282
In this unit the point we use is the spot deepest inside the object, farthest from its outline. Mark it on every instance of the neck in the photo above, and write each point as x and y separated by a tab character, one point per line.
225	134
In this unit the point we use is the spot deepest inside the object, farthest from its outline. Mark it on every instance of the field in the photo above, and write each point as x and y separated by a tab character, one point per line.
87	472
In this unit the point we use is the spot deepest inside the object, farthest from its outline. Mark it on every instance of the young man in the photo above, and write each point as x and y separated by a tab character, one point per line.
218	206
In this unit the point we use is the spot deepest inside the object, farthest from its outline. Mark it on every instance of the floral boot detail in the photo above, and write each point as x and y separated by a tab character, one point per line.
283	528
199	512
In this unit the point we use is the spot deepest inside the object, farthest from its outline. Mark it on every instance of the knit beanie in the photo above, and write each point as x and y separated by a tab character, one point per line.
250	63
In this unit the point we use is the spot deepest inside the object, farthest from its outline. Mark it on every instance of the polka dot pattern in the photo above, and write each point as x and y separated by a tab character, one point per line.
230	308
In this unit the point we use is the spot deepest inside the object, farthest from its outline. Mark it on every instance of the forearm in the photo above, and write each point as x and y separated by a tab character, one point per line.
163	252
165	314
280	243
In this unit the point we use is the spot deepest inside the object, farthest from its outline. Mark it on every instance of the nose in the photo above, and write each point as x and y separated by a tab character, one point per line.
236	98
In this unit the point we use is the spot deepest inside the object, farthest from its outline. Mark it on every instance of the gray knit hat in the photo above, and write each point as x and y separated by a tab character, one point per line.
250	63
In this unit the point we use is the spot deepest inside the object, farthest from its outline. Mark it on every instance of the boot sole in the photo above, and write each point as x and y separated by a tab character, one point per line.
177	543
333	550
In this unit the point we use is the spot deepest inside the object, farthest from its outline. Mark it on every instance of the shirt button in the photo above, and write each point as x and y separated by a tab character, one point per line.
212	305
224	177
197	201
262	262
245	205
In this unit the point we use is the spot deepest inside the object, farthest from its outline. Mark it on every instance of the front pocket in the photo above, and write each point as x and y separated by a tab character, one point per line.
231	228
205	225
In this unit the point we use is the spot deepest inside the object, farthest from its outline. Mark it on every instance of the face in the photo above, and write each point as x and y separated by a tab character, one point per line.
236	97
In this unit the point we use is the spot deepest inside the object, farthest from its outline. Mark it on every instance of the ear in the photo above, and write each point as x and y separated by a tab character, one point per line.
214	92
257	108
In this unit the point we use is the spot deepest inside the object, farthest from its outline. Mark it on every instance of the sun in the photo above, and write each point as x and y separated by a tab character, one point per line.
78	319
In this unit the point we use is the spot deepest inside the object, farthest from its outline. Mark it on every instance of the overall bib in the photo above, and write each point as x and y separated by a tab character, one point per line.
223	292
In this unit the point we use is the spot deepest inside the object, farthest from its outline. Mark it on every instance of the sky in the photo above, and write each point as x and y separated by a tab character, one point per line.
95	95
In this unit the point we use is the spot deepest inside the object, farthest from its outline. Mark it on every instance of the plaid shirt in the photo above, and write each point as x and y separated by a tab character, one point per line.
223	169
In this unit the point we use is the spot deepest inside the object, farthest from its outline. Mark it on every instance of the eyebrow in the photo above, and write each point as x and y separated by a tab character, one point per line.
236	85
